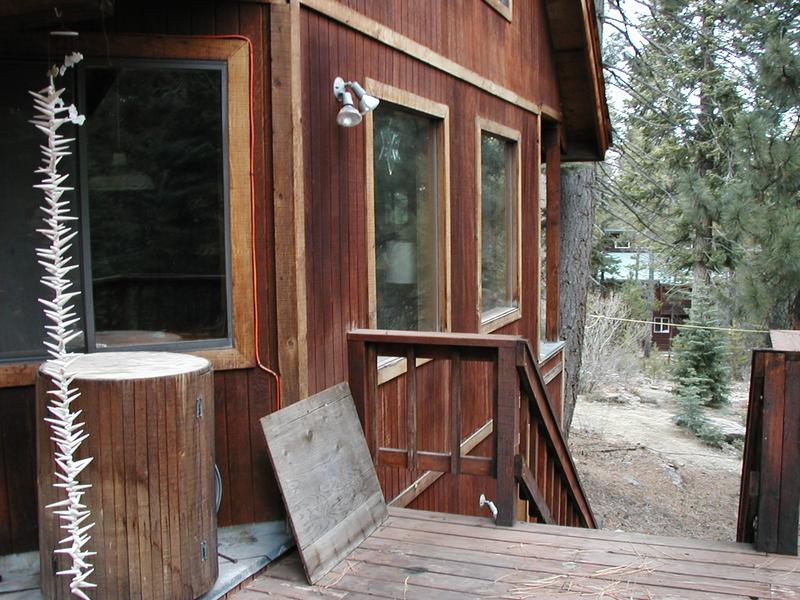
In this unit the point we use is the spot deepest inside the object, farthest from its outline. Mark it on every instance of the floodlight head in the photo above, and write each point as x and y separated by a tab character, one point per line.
348	115
366	103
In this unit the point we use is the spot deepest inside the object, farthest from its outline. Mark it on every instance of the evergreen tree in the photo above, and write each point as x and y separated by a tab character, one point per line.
708	168
701	374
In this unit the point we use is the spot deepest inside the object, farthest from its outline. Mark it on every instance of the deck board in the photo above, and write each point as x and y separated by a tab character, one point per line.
424	555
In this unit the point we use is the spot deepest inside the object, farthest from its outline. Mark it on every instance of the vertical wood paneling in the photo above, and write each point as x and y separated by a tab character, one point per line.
17	444
451	28
336	229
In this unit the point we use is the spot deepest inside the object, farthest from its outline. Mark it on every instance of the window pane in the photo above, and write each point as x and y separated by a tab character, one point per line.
406	220
497	223
21	318
156	199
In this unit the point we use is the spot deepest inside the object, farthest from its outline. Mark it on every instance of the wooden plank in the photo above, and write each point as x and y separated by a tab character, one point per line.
772	453
435	461
726	549
411	409
790	468
751	462
238	431
322	463
433	338
155	550
787	340
172	416
456	374
289	199
531	490
544	569
133	522
553	240
507	425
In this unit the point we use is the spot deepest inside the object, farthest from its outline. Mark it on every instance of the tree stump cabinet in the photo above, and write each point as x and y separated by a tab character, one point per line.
149	416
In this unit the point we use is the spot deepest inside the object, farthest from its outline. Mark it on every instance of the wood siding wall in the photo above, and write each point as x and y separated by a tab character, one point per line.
335	192
515	55
242	397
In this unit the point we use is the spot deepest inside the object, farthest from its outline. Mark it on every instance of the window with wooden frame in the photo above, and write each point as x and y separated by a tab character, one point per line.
498	221
661	324
161	176
501	6
408	214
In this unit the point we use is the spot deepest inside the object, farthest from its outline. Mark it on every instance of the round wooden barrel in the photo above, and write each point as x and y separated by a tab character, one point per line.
150	420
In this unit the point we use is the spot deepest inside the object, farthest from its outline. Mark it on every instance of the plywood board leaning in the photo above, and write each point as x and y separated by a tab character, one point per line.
325	474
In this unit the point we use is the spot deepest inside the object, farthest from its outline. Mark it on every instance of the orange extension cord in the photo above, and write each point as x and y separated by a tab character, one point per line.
260	364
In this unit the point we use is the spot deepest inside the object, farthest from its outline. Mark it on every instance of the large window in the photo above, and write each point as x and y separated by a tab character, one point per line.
498	220
154	198
162	207
408	216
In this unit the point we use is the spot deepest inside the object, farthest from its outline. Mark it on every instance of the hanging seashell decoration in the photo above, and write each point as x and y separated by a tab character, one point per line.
67	431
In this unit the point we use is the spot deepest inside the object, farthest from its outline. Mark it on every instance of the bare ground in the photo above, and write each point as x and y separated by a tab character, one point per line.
643	473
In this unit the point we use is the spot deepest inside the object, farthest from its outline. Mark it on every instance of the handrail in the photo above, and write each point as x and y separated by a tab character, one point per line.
530	373
530	458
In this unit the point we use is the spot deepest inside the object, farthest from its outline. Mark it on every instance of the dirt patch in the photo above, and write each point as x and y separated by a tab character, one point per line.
643	473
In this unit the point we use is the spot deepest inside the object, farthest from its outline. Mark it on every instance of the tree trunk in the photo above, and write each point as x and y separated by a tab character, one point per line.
578	191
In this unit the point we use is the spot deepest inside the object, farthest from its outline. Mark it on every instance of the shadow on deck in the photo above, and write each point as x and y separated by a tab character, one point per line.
425	555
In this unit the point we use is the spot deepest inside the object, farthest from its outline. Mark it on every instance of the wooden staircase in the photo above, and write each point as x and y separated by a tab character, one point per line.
527	456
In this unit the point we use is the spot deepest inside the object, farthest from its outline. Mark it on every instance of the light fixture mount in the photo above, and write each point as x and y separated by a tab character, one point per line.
338	88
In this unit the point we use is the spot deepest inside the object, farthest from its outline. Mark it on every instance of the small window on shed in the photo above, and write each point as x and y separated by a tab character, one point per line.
661	324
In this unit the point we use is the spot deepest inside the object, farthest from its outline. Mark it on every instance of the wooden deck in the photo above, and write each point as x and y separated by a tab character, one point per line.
424	555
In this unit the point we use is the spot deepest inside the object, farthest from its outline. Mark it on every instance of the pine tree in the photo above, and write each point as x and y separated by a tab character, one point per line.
709	145
700	374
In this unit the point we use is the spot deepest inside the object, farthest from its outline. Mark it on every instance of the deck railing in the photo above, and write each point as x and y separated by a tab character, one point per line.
770	485
530	459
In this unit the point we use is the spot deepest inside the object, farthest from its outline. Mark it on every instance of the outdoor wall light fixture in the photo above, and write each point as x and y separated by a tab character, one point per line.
349	115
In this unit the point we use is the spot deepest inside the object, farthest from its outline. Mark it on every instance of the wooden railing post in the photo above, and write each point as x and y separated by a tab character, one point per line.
362	369
455	413
507	434
411	407
770	488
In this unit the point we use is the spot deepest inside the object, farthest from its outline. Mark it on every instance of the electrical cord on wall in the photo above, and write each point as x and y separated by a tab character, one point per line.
256	313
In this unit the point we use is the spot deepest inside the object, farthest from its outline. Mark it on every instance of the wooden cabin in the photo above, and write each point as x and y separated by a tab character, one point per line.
225	213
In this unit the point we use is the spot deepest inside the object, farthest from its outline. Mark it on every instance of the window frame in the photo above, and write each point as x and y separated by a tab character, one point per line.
440	112
235	55
501	7
498	318
391	367
662	324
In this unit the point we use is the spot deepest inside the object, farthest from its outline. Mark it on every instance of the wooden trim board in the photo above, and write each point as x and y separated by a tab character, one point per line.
378	31
289	200
325	473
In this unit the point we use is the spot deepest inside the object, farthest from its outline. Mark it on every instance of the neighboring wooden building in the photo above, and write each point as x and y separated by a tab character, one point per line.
225	213
627	260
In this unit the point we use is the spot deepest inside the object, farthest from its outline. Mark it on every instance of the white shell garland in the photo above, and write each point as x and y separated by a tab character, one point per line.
67	432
